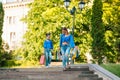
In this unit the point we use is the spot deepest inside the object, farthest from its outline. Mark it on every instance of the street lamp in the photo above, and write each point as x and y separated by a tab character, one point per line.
81	5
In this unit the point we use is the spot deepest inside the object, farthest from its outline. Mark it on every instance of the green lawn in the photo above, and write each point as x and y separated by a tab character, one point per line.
114	68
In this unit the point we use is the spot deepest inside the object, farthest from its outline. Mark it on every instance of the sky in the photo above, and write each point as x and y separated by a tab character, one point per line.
7	0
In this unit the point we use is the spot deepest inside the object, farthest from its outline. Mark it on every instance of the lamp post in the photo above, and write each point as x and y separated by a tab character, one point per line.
81	5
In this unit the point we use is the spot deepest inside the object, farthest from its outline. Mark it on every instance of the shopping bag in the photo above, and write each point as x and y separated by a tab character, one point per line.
59	54
75	53
42	59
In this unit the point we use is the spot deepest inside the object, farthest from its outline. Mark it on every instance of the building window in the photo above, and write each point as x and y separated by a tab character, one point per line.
12	40
11	19
14	19
12	36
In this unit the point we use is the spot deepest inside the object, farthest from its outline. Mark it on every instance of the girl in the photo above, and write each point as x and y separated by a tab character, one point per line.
48	46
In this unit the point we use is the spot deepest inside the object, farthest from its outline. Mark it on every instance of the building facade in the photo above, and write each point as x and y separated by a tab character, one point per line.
13	27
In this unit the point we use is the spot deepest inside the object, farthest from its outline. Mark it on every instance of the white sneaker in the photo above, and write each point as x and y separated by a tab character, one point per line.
47	66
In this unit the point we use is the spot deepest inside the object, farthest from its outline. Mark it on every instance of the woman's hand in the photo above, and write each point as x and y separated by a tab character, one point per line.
64	43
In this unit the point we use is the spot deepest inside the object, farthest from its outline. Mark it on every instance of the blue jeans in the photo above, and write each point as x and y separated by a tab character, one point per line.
65	49
48	56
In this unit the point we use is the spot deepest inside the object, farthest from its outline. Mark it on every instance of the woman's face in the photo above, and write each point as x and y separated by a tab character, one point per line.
63	31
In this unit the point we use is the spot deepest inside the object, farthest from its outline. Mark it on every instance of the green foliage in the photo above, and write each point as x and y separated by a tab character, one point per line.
6	59
97	32
1	26
111	18
1	22
108	39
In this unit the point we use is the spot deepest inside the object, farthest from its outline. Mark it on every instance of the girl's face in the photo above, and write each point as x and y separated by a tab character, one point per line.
48	37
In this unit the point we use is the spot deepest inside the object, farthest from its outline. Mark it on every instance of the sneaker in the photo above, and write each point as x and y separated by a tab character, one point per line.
47	66
64	69
68	67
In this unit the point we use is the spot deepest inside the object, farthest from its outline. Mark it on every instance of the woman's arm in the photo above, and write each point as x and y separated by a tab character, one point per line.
61	40
72	44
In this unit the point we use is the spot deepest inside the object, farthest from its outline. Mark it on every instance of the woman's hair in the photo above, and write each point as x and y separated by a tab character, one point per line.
64	28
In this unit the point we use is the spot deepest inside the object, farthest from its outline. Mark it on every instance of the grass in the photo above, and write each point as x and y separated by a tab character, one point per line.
113	68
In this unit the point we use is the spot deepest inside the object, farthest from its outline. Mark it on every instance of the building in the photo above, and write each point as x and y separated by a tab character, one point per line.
13	27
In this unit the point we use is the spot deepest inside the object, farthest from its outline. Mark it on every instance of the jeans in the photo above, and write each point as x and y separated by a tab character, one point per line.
48	56
65	49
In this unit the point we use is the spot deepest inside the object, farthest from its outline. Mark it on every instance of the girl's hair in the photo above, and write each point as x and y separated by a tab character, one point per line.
47	34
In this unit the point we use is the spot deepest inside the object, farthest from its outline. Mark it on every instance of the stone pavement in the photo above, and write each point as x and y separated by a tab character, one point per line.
80	72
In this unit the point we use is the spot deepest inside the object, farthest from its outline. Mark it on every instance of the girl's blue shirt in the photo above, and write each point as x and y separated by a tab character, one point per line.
69	39
48	44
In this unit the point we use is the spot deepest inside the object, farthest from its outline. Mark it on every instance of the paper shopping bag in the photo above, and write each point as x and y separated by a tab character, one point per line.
42	59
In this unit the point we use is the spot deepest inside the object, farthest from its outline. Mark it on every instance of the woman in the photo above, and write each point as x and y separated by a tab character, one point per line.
66	43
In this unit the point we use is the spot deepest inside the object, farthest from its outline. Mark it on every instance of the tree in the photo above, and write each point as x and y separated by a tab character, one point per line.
116	29
1	26
97	32
111	16
1	23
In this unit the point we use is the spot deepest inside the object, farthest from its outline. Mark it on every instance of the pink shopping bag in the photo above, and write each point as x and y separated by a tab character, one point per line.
42	59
